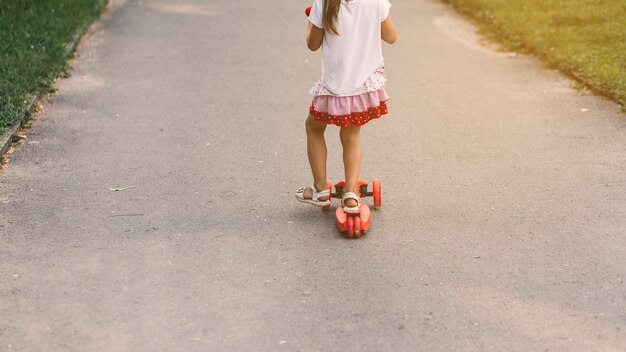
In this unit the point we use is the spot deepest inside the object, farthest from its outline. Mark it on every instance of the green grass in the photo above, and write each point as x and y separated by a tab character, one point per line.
34	35
585	39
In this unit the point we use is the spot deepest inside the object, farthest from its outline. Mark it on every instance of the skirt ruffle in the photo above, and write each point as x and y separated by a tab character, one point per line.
373	83
351	110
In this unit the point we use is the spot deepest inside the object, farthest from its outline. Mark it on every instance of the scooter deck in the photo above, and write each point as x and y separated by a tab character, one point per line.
355	225
341	218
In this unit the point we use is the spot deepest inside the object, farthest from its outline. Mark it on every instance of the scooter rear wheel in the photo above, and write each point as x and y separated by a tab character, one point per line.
357	226
350	227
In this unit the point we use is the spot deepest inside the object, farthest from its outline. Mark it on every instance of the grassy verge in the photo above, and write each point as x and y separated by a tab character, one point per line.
585	39
34	35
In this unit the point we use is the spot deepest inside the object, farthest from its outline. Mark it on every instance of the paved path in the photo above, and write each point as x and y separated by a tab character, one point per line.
504	197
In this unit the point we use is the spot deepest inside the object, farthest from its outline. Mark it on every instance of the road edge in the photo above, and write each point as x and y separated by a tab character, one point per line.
11	135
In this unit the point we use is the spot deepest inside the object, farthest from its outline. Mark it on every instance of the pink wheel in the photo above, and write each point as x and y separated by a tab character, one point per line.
377	193
357	227
350	227
329	185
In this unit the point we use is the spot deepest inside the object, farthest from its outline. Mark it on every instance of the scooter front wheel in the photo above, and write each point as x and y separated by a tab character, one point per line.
377	193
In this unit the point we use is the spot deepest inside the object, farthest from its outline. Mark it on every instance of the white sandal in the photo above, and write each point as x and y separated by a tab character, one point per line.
315	198
347	209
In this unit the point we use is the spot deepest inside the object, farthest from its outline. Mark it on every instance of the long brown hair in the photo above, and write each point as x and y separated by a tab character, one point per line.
331	15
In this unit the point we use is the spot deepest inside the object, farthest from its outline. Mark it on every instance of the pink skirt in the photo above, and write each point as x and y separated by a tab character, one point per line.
352	110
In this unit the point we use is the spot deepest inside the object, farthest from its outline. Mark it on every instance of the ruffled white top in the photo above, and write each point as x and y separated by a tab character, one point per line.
351	61
373	83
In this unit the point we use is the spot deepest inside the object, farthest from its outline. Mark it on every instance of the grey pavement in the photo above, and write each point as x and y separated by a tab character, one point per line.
504	197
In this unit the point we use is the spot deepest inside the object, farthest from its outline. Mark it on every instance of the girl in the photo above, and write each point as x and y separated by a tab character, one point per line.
351	91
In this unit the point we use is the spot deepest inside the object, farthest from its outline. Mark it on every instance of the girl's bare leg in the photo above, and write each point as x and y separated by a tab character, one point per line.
316	149
351	142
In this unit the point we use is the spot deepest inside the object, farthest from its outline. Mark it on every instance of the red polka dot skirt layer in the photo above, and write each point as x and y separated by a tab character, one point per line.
355	118
351	110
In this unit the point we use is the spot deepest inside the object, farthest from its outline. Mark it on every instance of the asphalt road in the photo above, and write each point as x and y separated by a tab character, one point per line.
504	197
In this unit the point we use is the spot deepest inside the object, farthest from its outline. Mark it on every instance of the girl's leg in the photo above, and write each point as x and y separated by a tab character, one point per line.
351	142
316	149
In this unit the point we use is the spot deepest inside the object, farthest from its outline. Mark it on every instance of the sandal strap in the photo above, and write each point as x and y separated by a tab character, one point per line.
317	195
351	195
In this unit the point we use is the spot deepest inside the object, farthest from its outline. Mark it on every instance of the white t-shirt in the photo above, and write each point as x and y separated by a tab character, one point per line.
348	59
